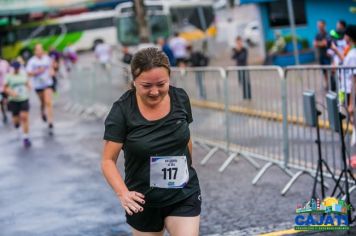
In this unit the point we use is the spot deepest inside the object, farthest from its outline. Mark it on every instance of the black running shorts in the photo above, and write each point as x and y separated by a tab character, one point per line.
17	107
151	219
3	95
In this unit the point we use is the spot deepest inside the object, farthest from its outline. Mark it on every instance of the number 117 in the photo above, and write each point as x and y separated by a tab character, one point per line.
170	172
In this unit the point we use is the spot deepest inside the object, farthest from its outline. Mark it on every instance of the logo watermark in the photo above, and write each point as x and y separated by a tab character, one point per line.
327	214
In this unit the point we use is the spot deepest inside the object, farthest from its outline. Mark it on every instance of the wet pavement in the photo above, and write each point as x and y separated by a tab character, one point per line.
56	187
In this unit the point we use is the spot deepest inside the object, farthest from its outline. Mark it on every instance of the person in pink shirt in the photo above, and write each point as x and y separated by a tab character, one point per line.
4	69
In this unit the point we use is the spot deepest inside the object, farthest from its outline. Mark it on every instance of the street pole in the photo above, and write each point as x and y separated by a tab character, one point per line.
293	32
140	13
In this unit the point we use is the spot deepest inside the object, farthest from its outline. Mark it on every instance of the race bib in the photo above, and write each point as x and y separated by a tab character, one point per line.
42	80
169	172
21	91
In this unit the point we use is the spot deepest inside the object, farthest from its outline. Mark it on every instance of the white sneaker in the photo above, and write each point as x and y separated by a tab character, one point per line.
18	133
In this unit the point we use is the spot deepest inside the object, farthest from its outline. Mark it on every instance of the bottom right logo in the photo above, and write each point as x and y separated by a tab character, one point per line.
327	214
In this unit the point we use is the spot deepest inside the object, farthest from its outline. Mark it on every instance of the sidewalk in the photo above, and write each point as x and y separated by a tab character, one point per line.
56	187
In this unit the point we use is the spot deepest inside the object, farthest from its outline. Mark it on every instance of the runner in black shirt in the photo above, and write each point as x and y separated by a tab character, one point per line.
150	123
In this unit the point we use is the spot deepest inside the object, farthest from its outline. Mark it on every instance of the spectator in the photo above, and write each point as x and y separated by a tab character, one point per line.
277	47
240	55
341	28
127	56
350	61
336	47
103	54
167	50
321	44
179	48
198	59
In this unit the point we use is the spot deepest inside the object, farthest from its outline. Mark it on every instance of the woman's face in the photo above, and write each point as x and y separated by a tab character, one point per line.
152	85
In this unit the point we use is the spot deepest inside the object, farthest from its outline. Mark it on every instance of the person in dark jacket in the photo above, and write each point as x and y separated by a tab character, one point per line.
167	50
198	59
240	55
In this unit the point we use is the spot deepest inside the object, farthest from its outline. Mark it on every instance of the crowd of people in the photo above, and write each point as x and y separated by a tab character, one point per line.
17	78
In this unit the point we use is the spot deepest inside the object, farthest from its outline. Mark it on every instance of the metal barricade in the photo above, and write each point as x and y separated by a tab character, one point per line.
248	112
95	87
303	151
256	115
207	90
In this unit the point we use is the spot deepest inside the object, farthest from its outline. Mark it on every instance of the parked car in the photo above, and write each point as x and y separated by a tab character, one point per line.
219	4
252	33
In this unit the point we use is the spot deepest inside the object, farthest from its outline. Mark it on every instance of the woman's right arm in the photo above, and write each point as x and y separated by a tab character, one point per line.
129	199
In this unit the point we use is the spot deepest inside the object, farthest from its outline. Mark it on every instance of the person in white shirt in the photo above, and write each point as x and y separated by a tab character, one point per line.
179	47
103	54
39	69
350	80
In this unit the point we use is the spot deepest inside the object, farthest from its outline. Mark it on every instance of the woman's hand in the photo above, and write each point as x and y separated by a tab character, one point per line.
131	201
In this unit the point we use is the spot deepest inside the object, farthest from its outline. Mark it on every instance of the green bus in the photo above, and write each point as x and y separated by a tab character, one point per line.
83	31
193	19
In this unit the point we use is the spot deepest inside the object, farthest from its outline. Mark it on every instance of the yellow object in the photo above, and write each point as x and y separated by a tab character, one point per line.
341	97
329	201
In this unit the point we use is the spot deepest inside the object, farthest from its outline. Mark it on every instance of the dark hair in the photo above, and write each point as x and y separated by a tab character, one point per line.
147	59
322	21
351	32
238	38
16	65
343	23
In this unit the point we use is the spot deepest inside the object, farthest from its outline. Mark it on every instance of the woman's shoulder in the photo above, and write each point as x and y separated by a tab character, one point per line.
123	104
179	93
126	96
176	90
125	101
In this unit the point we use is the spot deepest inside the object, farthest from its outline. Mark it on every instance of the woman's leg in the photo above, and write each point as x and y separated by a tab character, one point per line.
182	226
48	94
16	121
40	95
24	122
3	109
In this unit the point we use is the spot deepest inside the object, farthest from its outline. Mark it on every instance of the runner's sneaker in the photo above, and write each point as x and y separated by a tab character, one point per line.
50	129
44	117
18	133
27	143
4	119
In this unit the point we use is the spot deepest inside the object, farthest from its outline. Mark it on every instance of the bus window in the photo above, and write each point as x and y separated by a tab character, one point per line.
200	17
159	26
127	31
